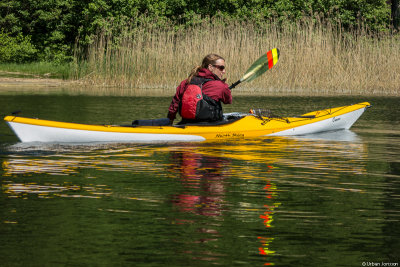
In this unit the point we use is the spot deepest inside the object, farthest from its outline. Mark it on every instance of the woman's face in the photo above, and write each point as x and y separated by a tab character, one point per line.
218	68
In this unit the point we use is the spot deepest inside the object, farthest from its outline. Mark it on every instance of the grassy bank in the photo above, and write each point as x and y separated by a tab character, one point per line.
35	70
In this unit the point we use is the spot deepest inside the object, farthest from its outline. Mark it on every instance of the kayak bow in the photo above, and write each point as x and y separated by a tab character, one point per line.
235	126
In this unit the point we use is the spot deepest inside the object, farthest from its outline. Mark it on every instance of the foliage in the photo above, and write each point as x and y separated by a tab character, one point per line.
50	23
16	49
55	25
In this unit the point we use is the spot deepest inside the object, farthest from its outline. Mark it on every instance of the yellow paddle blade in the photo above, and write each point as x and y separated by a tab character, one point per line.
264	63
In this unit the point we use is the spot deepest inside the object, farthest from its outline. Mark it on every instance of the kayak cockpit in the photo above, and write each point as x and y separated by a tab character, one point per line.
227	119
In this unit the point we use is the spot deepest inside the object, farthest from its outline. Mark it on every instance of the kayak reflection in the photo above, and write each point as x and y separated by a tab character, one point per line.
316	153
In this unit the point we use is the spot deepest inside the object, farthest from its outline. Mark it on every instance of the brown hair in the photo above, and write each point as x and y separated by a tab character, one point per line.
207	60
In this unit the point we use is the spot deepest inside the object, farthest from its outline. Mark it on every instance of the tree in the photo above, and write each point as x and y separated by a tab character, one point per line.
16	49
395	13
53	26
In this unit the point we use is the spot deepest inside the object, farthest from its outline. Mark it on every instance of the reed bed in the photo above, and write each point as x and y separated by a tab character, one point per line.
316	58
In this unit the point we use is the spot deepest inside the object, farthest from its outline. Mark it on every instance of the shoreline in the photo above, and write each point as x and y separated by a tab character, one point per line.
11	81
43	85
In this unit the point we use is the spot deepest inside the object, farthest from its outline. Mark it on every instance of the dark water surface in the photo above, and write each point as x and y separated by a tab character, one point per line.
331	199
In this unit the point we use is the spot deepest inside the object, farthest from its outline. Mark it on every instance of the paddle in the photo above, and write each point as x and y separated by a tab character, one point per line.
264	63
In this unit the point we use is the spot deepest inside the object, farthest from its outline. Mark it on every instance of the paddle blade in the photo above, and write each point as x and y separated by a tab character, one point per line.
264	63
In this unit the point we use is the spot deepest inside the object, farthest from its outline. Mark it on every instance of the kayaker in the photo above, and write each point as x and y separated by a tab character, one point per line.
209	77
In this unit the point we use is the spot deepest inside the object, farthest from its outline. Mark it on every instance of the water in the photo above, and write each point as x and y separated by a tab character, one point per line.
331	199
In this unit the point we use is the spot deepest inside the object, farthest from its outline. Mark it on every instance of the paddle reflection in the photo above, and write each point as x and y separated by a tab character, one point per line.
267	217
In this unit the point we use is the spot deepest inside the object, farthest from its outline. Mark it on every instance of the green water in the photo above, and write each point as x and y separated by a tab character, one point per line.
322	200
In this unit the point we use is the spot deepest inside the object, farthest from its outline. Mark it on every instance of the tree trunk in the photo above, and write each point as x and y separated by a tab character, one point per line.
395	6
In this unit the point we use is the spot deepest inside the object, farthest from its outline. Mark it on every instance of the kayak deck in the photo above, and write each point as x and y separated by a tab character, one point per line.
237	125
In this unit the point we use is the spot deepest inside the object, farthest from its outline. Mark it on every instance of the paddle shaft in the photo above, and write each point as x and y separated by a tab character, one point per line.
233	85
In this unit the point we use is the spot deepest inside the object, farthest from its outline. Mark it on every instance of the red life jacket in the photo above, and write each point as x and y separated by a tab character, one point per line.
197	106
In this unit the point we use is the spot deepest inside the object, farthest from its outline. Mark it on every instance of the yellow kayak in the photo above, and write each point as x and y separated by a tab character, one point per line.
234	126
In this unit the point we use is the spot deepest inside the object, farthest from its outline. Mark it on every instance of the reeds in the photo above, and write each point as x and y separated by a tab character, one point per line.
316	58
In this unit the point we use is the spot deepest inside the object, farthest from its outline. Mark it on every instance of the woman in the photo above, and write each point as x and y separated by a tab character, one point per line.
208	77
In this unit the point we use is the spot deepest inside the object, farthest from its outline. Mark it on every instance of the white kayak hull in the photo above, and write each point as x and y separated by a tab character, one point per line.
341	122
37	133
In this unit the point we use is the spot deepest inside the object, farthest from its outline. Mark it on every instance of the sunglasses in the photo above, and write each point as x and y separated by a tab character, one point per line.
220	67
